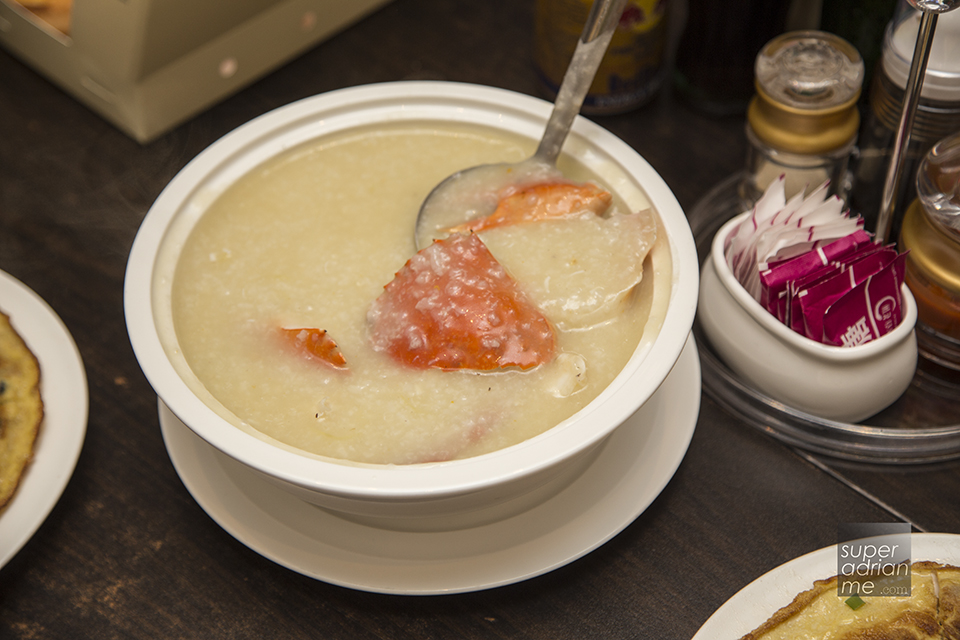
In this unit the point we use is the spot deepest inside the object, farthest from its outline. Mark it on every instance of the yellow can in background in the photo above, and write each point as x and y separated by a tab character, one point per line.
632	69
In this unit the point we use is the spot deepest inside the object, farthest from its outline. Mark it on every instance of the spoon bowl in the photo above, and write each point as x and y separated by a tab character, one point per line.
474	193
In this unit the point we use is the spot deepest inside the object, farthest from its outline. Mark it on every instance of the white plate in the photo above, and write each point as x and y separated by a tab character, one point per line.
63	387
635	464
755	603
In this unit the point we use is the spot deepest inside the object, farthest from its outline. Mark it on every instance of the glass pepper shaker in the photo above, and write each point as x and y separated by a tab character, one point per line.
931	232
803	120
802	123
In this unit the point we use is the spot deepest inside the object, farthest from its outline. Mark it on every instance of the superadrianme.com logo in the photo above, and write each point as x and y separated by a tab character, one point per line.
873	559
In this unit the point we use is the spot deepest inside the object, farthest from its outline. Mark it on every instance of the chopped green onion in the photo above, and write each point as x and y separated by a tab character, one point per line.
855	602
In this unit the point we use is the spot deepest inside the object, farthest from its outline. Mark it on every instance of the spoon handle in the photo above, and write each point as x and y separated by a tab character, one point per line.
593	42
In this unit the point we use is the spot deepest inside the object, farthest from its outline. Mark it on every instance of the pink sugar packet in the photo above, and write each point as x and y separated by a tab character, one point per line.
788	308
774	279
797	288
871	309
818	298
819	277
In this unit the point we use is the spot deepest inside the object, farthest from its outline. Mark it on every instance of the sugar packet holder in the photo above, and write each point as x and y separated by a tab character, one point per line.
813	267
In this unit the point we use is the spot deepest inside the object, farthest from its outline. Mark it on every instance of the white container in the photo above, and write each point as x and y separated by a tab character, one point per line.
425	496
148	65
847	384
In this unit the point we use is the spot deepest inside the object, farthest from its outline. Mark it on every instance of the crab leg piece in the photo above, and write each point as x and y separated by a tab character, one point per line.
316	344
542	202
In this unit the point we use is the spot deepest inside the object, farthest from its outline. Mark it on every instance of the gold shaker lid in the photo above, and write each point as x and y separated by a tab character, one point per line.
808	84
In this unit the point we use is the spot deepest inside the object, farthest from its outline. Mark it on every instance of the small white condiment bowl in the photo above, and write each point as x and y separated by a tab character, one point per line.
443	495
845	384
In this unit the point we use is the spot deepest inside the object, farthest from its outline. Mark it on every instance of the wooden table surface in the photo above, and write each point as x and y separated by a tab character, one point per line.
128	553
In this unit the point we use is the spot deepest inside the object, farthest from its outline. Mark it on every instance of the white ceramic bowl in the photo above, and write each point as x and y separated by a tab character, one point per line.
847	384
426	496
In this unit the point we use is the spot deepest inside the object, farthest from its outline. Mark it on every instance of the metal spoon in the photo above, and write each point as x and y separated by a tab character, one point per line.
436	213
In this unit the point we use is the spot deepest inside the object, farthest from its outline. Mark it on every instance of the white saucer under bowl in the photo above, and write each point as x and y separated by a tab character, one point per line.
634	466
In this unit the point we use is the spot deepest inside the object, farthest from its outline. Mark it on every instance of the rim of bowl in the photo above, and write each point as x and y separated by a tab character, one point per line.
788	335
309	118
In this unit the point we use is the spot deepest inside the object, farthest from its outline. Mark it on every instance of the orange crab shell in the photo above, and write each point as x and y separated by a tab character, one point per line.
544	201
316	344
453	306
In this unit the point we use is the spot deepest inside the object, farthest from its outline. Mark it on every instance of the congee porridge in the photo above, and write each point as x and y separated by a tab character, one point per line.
296	296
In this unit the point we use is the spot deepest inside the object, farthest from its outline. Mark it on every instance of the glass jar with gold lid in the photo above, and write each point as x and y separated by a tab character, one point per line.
803	120
931	232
